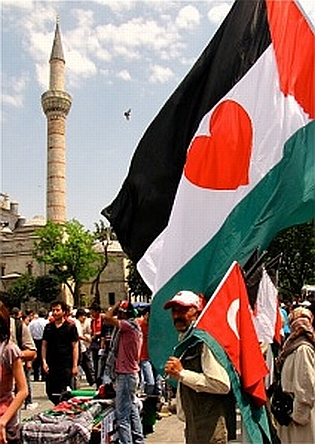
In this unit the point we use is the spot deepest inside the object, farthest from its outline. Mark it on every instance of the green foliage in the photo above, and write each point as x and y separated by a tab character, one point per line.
104	235
104	232
137	286
21	290
46	288
297	267
68	251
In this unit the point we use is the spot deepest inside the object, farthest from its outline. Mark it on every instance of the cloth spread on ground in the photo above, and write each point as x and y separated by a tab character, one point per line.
64	425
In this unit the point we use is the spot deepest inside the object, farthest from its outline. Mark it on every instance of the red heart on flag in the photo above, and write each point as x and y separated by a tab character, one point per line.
221	161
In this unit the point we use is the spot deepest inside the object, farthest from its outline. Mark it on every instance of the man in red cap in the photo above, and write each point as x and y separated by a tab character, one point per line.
203	384
127	350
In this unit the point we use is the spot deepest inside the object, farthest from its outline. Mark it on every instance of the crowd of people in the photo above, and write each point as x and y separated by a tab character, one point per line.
60	346
110	348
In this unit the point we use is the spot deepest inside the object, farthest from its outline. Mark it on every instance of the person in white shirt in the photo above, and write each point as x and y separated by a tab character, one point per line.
84	331
36	328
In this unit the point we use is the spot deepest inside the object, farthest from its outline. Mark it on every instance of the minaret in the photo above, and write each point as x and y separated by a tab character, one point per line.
56	104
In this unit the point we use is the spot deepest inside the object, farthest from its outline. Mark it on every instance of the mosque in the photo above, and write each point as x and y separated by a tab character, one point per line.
17	235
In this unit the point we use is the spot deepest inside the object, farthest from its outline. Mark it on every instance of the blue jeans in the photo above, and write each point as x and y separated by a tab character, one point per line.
127	411
147	377
28	399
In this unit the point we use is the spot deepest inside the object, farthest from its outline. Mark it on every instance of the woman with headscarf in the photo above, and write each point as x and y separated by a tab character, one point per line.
298	378
11	372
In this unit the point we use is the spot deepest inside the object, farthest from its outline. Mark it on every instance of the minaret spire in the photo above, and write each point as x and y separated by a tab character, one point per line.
57	59
57	52
56	103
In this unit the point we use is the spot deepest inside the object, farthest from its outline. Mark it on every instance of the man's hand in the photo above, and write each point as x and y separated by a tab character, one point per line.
28	355
45	367
173	367
75	370
3	438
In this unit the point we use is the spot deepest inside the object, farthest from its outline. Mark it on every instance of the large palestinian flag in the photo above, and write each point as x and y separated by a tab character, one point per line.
228	162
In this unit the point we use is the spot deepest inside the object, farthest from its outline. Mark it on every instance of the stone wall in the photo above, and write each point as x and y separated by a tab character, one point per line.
16	259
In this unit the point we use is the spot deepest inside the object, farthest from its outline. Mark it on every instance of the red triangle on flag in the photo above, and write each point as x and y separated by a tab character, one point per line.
228	319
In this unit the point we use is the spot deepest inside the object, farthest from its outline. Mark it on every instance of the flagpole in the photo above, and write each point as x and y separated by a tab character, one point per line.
274	264
256	265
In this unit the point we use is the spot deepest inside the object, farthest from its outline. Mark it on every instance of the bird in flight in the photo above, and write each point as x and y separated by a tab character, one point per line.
127	114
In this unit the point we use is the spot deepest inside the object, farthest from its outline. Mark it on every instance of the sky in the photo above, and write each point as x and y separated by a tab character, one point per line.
119	55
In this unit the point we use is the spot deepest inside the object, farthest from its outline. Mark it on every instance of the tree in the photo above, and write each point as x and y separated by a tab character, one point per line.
42	288
104	231
297	266
104	235
68	250
21	290
137	286
46	288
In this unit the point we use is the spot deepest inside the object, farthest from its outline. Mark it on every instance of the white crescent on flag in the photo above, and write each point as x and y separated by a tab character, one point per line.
232	316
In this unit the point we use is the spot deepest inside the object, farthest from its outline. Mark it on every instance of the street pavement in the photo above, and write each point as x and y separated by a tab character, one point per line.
168	429
39	397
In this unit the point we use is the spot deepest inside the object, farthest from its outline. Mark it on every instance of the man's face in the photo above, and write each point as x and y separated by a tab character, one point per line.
57	312
94	313
121	315
82	319
183	317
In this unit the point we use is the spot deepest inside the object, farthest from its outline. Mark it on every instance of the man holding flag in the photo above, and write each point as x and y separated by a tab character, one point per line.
218	349
202	399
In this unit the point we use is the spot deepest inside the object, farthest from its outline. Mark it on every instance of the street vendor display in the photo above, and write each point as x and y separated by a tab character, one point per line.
81	419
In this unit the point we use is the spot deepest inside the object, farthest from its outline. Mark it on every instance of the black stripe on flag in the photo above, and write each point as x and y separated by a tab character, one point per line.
142	208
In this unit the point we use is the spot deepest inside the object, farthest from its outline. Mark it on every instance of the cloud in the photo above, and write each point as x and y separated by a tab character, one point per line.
79	67
12	100
160	74
78	43
188	17
85	18
25	4
129	38
218	12
15	97
117	6
98	34
124	75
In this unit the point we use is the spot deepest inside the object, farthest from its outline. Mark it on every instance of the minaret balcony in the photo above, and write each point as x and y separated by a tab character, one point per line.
56	101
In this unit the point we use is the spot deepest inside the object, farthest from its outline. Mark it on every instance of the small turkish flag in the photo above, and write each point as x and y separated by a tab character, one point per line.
228	319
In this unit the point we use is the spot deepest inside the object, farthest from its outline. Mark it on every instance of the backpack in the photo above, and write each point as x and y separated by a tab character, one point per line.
281	405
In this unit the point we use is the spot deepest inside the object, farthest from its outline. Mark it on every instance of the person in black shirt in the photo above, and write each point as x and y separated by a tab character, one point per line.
60	352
